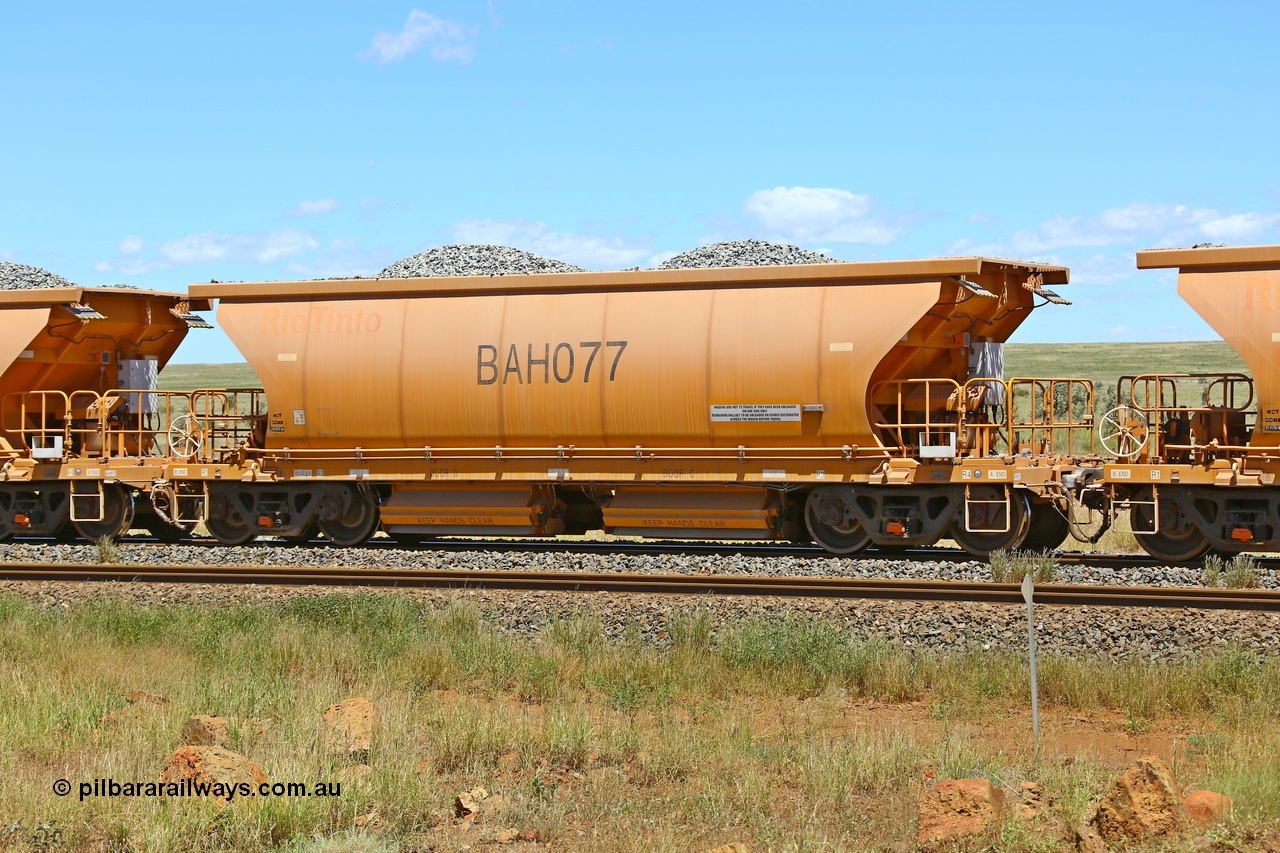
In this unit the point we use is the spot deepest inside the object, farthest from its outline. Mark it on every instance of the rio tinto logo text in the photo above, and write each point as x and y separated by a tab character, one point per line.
322	320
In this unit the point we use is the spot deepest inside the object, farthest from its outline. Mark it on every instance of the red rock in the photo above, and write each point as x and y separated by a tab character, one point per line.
211	764
959	808
468	802
1030	801
206	730
1088	840
1143	803
1205	807
349	726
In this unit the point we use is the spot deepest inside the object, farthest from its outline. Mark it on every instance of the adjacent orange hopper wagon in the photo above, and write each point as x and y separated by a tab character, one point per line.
1198	468
640	401
75	359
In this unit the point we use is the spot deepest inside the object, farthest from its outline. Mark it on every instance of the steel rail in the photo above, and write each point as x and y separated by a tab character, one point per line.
658	584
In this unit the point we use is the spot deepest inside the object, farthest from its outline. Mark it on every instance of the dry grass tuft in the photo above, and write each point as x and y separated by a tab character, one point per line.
1013	566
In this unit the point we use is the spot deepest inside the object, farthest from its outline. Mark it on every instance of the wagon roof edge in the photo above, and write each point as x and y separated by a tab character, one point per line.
79	293
1209	256
852	271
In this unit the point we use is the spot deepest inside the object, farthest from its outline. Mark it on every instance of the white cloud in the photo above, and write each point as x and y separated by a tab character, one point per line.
1140	221
447	41
267	248
818	215
131	245
1240	226
586	250
314	207
5	255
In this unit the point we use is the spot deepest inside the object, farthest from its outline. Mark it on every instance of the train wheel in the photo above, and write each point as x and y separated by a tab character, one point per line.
1047	529
1177	540
355	527
230	533
979	543
831	526
117	515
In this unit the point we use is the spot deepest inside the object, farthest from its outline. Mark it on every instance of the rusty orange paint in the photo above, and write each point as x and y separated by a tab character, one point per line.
760	356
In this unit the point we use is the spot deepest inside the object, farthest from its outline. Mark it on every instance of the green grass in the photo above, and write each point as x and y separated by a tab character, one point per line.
1105	363
754	732
1012	567
189	377
1237	572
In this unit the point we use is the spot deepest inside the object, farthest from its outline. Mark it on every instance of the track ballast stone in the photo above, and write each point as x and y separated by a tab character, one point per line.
22	277
474	260
744	253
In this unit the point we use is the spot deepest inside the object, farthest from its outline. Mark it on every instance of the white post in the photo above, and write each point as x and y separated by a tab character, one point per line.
1028	590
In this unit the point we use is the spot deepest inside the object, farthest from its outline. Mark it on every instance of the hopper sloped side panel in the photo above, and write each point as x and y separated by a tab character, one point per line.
1243	306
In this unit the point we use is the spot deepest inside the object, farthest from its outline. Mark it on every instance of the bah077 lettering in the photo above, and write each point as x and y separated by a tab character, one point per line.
562	362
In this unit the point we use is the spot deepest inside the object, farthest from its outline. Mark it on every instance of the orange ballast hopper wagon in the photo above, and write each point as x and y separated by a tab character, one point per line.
472	399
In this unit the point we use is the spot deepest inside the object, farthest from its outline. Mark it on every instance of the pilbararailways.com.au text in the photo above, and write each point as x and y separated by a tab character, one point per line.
192	788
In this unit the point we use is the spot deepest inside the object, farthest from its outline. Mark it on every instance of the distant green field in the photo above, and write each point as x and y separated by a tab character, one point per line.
1103	363
188	377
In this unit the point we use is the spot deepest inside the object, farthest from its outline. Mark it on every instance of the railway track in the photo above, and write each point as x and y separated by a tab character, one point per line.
659	584
685	548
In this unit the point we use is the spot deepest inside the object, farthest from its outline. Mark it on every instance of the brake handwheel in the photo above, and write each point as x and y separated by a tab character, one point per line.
1123	431
186	435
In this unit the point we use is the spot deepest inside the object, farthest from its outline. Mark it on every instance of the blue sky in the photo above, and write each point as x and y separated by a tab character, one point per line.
160	144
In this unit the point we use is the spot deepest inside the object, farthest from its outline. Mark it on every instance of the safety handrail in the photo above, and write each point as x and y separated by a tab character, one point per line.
1046	424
